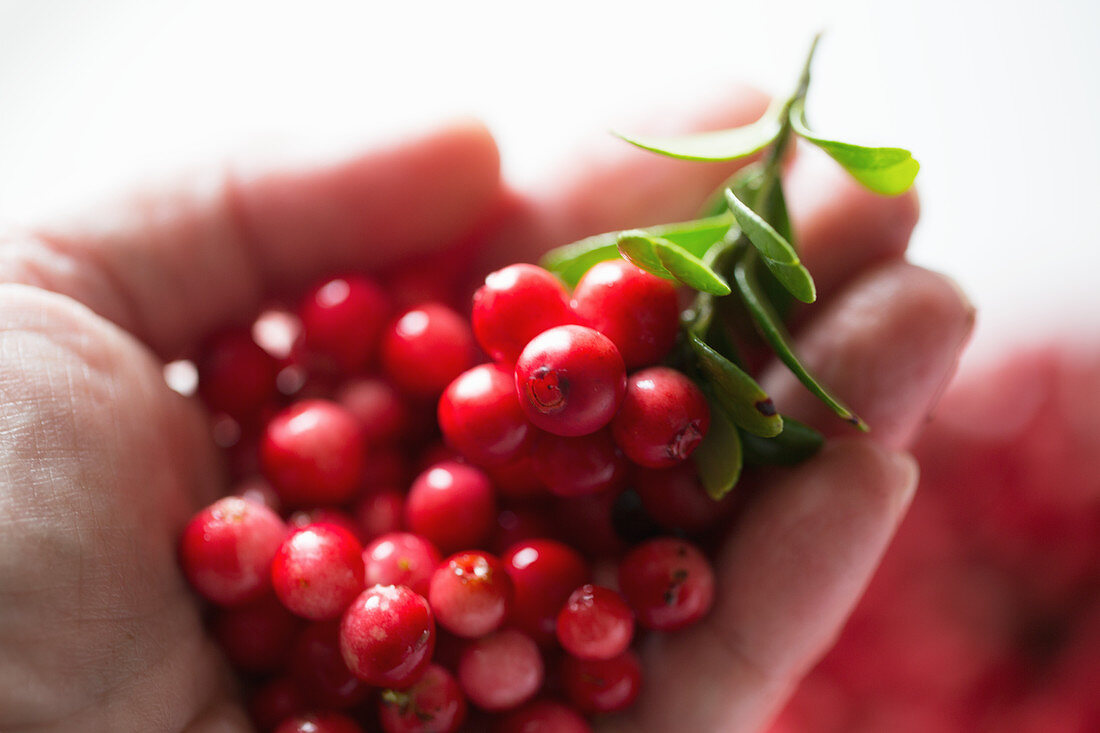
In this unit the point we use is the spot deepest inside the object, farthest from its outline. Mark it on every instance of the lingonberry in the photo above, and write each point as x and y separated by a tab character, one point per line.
257	636
587	464
227	548
319	723
452	505
342	320
516	304
570	380
470	594
257	490
638	311
318	669
382	411
668	582
380	512
595	623
675	498
387	636
544	716
312	453
275	701
384	466
520	524
663	418
323	515
426	348
434	704
401	558
236	376
481	418
587	523
517	479
501	671
602	685
544	573
318	571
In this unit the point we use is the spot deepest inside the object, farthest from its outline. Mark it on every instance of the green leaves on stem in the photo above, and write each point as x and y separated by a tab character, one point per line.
669	260
737	393
718	458
731	144
777	253
795	444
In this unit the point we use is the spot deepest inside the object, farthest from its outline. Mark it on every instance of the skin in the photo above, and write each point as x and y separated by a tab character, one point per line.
101	464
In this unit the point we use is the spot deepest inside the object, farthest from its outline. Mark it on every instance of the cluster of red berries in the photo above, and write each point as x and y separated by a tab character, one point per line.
420	541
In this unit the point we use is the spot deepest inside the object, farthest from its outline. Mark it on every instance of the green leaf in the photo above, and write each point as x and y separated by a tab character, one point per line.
777	252
740	396
771	328
571	261
737	142
795	444
718	457
888	171
669	260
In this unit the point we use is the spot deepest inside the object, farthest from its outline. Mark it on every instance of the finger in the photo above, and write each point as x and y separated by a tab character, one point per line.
887	345
170	266
789	576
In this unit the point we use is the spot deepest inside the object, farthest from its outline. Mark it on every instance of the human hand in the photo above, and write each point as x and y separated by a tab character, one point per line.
103	464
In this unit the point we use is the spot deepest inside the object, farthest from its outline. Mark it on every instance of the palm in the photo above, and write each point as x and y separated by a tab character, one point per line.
104	464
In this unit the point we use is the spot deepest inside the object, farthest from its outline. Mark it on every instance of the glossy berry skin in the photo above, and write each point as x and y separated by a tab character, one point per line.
595	623
516	304
426	348
319	723
501	671
543	716
481	418
380	512
570	380
588	464
668	582
451	505
520	524
435	704
227	548
318	571
602	685
638	311
317	666
471	594
236	376
517	480
675	499
256	637
381	410
663	418
544	572
401	558
387	636
322	515
274	702
342	321
312	453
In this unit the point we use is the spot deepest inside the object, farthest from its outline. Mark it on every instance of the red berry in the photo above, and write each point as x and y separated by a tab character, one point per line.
452	505
236	376
470	594
323	515
426	348
342	320
674	498
387	636
602	685
227	548
435	704
596	623
380	408
274	702
544	573
516	304
318	571
256	637
668	582
588	523
481	418
517	479
312	453
319	723
379	513
570	380
501	671
663	418
544	716
587	464
520	524
638	311
318	668
400	558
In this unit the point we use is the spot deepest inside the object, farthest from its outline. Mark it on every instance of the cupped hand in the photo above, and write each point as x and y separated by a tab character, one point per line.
101	464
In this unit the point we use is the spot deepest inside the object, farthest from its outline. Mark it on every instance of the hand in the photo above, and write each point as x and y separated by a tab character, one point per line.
103	464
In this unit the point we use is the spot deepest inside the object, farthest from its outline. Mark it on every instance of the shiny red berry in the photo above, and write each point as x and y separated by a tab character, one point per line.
544	573
516	304
668	582
520	524
319	723
236	376
426	348
663	418
382	410
257	636
452	505
275	701
517	479
312	453
596	623
501	671
380	512
318	669
435	704
318	571
481	418
602	685
544	716
638	311
323	515
227	548
401	558
387	636
342	320
587	464
570	380
675	499
471	594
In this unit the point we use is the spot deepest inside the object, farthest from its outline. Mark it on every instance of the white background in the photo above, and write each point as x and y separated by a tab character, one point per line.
998	101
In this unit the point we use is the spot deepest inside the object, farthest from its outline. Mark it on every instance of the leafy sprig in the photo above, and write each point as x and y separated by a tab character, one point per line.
742	244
